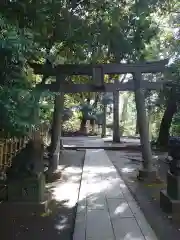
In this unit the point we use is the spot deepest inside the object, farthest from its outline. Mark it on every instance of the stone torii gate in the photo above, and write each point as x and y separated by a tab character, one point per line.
97	72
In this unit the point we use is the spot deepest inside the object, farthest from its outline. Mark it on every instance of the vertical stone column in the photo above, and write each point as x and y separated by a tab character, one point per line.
56	131
98	81
116	129
103	134
147	171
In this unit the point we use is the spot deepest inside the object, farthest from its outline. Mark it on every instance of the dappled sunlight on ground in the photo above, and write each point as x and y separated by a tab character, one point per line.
104	203
127	169
66	191
58	222
121	208
98	180
61	224
72	146
123	139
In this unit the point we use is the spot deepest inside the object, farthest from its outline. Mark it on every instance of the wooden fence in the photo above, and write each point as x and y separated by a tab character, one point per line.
10	146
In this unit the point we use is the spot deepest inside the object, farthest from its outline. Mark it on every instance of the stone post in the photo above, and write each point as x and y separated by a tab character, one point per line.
116	128
56	132
170	197
147	172
104	121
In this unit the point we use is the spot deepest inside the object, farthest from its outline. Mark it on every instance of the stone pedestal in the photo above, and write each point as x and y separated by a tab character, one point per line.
27	190
170	198
173	186
147	175
26	197
24	209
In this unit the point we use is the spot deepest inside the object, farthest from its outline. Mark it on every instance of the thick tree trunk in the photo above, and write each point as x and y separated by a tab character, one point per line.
93	126
142	123
83	126
116	129
56	132
171	109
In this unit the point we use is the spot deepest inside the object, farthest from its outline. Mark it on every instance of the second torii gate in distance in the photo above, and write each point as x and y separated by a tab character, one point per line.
137	85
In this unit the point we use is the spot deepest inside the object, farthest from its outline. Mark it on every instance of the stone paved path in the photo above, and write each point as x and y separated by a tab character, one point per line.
82	141
86	142
106	209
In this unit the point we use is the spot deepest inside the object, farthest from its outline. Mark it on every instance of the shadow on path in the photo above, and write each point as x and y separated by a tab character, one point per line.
146	195
60	223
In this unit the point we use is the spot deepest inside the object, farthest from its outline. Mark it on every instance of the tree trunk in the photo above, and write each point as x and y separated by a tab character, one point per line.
116	130
93	126
94	97
56	132
83	127
171	109
142	123
103	134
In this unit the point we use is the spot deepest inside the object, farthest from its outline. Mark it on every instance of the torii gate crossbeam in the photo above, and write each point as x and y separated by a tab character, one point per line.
98	71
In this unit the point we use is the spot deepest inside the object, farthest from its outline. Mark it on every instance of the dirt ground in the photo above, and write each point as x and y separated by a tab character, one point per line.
147	195
60	223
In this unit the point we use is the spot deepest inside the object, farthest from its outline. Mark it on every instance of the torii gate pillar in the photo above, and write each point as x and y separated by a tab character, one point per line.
147	172
99	70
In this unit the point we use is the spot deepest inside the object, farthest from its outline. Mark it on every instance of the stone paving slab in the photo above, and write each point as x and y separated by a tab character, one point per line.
80	226
127	229
146	195
106	208
98	225
119	208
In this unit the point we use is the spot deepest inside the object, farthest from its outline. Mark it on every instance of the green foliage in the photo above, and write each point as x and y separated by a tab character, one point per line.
16	101
72	125
46	106
70	32
16	107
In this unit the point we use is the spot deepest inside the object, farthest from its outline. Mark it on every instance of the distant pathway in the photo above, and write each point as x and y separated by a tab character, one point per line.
82	142
106	208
